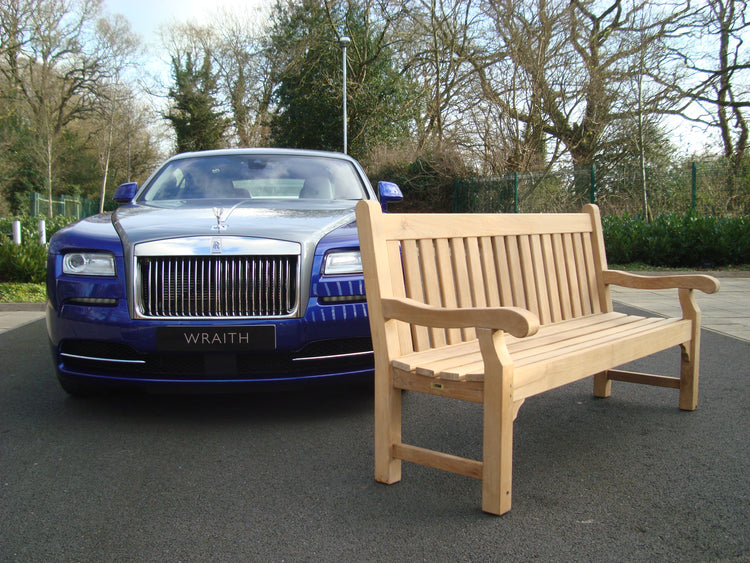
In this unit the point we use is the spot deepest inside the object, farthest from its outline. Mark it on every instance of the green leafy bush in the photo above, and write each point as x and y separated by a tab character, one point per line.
23	262
426	177
26	262
678	241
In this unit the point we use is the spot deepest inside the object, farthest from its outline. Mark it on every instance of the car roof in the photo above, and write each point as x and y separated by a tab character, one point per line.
266	151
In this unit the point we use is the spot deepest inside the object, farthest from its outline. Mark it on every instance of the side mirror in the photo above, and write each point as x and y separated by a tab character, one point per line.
389	193
125	192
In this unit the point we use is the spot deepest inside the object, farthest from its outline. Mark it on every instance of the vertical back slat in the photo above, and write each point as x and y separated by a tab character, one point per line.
591	277
414	290
518	296
489	274
527	269
566	310
572	273
461	276
431	284
395	267
581	275
503	271
476	277
447	284
550	273
540	279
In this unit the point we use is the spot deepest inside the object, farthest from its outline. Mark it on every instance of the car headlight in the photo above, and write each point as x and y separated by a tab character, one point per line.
342	263
89	264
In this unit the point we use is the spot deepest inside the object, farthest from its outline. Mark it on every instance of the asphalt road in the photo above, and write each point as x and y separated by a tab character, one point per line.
288	477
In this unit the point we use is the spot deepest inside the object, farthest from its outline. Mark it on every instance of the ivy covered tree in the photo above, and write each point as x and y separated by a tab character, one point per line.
308	60
195	112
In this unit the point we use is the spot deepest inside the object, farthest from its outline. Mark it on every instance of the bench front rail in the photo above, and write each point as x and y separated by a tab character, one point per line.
497	308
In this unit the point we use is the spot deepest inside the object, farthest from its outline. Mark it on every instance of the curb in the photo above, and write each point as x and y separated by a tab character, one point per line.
5	307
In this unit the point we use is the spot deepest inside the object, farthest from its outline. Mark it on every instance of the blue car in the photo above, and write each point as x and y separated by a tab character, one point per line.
226	268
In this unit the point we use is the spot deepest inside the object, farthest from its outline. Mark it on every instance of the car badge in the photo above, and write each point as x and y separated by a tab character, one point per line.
218	212
216	247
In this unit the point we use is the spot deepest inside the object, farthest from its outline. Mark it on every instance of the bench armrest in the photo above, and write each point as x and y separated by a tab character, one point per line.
514	320
703	282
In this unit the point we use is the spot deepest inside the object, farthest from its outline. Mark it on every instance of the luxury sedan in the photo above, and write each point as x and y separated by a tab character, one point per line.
226	268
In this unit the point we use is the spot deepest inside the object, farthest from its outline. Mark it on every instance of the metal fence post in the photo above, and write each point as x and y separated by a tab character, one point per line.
592	192
694	187
515	192
42	232
17	232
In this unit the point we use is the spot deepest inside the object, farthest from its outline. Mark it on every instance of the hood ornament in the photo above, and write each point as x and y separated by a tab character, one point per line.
220	225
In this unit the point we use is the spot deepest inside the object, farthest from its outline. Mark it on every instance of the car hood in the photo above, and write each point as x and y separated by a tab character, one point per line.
136	224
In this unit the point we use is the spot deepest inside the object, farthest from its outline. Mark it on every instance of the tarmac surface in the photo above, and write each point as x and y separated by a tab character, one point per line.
289	476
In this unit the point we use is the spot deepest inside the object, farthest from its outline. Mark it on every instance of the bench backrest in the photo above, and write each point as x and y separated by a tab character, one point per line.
550	264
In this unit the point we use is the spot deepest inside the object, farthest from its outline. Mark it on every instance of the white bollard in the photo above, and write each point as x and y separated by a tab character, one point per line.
17	232
42	232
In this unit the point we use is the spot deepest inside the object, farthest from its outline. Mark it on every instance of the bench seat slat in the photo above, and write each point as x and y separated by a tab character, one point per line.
571	365
565	343
463	362
409	362
470	367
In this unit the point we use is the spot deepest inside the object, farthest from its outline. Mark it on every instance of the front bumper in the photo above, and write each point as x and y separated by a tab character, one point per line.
103	345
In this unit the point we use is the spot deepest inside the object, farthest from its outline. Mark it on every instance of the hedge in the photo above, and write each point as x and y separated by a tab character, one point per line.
678	240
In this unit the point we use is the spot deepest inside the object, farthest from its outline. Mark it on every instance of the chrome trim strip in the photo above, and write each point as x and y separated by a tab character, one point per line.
351	354
111	360
201	246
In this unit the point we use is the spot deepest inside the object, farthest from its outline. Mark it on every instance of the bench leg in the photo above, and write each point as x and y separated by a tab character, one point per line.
387	430
602	385
690	353
689	376
499	413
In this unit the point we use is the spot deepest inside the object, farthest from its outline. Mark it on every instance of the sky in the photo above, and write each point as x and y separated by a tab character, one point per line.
146	16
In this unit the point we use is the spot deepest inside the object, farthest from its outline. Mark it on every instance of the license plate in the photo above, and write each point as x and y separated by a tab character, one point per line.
205	339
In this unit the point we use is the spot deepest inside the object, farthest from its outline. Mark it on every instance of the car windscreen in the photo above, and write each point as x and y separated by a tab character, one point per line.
244	176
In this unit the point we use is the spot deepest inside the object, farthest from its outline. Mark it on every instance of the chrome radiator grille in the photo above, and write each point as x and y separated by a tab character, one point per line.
218	286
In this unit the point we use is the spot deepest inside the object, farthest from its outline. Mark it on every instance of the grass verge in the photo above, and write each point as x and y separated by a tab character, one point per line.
22	293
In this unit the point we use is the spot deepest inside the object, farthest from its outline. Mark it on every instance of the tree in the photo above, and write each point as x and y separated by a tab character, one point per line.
244	74
52	68
569	62
638	156
724	74
433	33
120	44
308	60
195	112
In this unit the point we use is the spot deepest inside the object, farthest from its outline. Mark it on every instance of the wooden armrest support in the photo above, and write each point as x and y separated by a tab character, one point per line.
514	320
703	282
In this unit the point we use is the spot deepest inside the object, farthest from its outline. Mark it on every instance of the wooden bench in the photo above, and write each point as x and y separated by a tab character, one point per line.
497	308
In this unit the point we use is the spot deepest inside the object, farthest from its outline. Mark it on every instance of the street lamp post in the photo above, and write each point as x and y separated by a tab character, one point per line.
344	41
